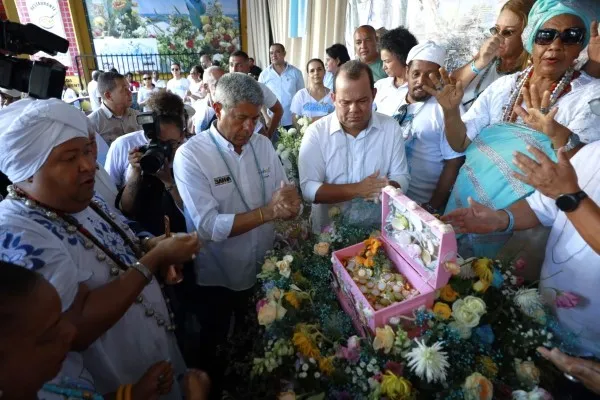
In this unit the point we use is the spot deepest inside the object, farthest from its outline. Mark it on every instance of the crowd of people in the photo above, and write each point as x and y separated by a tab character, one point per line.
129	248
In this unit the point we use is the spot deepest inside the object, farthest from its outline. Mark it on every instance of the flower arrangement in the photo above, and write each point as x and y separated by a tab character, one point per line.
477	342
288	147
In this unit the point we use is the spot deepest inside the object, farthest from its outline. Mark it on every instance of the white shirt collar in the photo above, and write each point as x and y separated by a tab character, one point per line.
221	140
335	125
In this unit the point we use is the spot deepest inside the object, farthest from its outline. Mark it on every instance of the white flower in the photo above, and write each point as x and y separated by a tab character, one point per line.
428	362
529	302
468	311
285	154
280	147
288	258
536	394
284	268
292	131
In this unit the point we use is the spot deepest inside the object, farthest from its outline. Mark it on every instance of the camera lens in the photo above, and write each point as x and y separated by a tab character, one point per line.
153	159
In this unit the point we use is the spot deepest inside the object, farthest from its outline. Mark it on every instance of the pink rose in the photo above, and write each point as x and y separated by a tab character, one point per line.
567	300
396	368
260	303
520	264
520	280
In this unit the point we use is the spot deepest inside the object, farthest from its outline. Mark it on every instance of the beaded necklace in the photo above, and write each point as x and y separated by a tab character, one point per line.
103	253
71	393
516	97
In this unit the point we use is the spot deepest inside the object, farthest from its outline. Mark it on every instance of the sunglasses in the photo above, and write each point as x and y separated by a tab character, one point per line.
570	36
146	78
401	113
505	33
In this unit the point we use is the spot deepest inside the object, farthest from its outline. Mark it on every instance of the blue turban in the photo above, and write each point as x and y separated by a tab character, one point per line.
544	10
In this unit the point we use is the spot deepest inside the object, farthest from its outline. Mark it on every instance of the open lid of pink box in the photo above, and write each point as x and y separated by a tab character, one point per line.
424	241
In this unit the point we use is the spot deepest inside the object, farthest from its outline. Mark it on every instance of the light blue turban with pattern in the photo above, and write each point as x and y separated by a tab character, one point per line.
544	10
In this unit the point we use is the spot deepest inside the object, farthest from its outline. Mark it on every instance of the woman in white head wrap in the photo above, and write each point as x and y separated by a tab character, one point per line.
498	125
51	225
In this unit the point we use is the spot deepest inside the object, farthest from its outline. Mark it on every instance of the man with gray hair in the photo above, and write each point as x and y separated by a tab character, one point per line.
233	187
205	114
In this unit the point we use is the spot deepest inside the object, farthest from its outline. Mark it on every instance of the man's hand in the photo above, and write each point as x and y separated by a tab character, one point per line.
448	92
177	249
550	178
370	187
476	219
285	203
196	385
587	372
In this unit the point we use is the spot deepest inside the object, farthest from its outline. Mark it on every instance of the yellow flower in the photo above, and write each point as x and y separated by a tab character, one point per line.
305	345
384	339
489	367
395	387
481	286
326	365
321	249
448	294
442	310
483	269
292	299
478	387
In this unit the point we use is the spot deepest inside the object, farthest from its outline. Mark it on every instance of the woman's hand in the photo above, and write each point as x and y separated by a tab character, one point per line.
157	381
549	178
196	385
587	372
476	219
177	249
488	51
541	118
594	46
448	92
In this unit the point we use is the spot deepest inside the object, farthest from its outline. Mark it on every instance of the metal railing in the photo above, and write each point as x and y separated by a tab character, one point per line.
137	64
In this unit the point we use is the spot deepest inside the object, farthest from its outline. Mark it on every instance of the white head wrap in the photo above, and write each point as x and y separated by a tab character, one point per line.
428	51
31	130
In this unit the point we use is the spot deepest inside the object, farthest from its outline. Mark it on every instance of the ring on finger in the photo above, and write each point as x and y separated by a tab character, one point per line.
439	87
545	110
571	378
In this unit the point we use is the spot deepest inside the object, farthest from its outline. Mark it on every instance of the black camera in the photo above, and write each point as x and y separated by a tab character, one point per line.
40	79
157	152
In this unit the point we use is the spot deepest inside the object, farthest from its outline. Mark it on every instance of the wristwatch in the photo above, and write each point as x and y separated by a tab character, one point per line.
573	142
570	202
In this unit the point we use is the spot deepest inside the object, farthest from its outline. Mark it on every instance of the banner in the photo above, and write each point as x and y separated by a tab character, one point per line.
46	15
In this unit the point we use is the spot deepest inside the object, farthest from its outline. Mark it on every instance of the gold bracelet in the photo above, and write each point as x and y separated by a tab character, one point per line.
120	392
128	390
262	218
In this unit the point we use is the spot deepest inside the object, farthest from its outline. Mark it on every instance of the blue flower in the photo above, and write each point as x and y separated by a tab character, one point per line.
485	334
497	279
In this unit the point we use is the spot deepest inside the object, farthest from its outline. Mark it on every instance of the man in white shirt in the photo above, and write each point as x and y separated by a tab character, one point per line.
205	61
92	90
179	84
233	186
239	62
114	118
432	163
69	96
567	198
283	79
205	113
350	155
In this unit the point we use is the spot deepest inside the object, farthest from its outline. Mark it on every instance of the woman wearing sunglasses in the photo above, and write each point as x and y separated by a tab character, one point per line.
506	119
500	55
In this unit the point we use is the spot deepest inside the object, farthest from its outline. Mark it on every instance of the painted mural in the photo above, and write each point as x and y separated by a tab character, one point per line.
145	27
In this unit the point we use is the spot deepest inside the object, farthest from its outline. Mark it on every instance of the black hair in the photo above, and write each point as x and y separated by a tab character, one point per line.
198	69
16	283
399	42
280	45
169	108
353	70
240	53
338	51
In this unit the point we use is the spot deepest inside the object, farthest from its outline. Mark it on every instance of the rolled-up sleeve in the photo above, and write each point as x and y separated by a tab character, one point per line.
311	165
199	204
398	171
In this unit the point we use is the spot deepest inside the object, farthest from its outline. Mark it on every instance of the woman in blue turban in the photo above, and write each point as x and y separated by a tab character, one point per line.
545	106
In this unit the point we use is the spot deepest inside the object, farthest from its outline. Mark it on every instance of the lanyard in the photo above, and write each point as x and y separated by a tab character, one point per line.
262	178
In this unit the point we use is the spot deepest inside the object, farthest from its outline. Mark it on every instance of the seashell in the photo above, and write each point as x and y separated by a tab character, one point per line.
381	285
363	289
417	223
362	272
375	292
378	306
403	238
413	250
400	223
405	293
385	302
370	285
398	296
397	288
426	257
430	247
387	276
370	272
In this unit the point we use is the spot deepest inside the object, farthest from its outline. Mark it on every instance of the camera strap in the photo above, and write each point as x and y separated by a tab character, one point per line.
260	175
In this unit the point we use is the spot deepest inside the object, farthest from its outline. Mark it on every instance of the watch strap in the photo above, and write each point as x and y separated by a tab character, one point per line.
573	142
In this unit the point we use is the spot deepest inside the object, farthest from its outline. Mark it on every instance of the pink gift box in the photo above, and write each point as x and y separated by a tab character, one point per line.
424	230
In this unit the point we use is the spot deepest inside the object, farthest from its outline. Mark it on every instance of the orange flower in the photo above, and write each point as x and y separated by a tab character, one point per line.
369	263
292	299
442	310
326	365
360	260
305	345
448	294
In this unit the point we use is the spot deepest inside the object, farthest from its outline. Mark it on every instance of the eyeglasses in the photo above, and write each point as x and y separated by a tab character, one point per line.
505	33
400	115
147	78
545	37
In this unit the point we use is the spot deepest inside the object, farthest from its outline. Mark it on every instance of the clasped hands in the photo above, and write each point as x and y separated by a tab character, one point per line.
370	188
285	203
